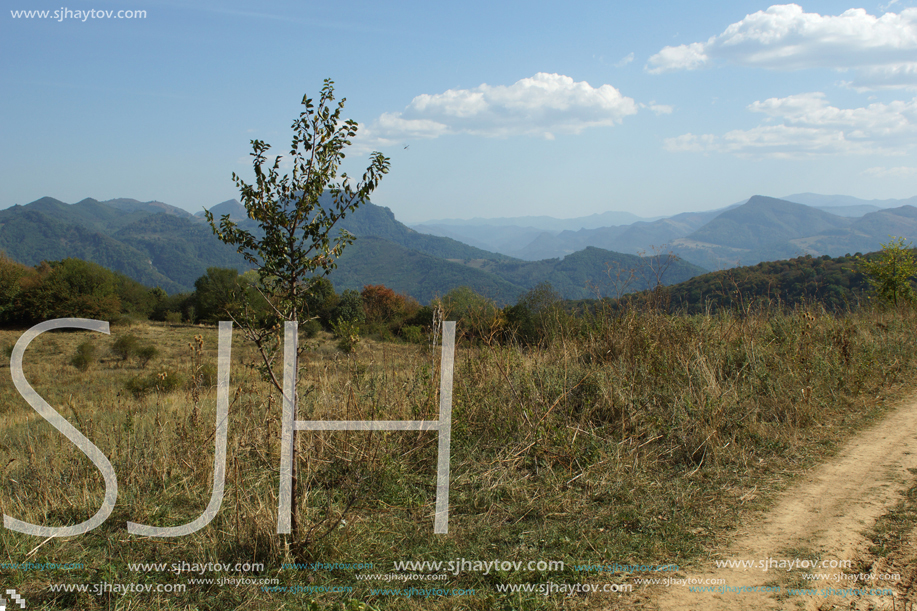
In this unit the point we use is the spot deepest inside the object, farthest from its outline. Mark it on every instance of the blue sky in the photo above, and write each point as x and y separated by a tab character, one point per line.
509	109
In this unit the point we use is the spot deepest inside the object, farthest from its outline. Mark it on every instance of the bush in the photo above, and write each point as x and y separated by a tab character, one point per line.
124	320
146	354
310	328
125	346
85	356
349	308
412	334
347	335
163	382
173	318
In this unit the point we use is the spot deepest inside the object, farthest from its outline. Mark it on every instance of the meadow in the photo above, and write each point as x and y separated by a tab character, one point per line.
632	437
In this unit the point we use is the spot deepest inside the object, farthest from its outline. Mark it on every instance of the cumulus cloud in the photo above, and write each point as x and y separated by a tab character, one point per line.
881	52
543	105
807	125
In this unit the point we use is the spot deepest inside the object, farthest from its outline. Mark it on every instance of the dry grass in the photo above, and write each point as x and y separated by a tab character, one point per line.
636	439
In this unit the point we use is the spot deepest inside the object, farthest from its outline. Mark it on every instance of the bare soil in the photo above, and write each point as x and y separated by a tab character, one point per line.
822	517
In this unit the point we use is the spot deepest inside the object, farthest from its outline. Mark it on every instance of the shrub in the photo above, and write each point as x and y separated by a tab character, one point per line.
173	318
349	308
347	335
383	305
85	356
412	334
163	382
125	346
890	272
310	328
124	320
146	353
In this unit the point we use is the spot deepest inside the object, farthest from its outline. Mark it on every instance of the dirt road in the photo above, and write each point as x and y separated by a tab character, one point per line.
821	517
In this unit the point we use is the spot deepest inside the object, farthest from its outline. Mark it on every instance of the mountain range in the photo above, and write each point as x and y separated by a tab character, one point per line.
161	245
533	238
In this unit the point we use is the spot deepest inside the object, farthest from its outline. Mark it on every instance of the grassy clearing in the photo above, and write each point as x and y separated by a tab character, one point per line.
638	439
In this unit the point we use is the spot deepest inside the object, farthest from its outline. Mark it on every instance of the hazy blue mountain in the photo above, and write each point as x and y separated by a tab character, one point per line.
849	211
594	272
155	245
509	240
370	220
823	201
865	234
373	260
545	223
769	229
630	239
581	275
763	221
232	207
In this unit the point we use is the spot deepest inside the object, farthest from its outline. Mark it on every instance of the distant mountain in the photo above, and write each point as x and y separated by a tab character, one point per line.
594	271
546	237
31	236
232	207
158	247
370	220
631	239
581	275
846	201
849	211
763	221
509	240
769	229
154	207
373	260
545	223
157	244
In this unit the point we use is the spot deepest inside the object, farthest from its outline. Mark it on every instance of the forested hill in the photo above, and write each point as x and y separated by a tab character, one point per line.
837	284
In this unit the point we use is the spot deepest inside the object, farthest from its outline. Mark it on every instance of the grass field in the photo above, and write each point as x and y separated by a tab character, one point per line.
632	440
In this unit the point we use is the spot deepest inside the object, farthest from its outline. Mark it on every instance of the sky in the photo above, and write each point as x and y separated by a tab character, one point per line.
485	109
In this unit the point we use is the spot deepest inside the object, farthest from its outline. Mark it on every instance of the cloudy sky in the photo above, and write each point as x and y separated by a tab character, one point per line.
485	109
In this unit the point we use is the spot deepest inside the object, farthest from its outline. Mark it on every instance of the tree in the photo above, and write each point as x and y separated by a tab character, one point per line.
890	272
217	293
294	246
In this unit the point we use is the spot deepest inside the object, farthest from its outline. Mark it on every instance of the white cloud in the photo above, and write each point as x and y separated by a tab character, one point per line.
543	105
682	57
807	125
625	60
880	51
898	172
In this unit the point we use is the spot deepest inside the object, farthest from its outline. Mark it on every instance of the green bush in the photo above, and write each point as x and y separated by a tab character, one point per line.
163	382
85	356
412	334
173	318
125	346
349	308
146	353
310	328
347	334
125	320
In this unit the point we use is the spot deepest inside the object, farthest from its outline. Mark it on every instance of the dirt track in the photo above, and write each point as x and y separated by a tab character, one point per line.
821	517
